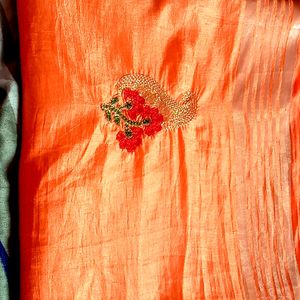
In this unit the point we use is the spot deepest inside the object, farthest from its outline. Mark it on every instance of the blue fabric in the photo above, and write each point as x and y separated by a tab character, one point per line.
4	259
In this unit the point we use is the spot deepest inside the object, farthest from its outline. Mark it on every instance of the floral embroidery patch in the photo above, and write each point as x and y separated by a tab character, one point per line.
142	108
135	117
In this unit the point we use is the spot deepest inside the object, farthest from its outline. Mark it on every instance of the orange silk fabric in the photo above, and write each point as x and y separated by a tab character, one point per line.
206	211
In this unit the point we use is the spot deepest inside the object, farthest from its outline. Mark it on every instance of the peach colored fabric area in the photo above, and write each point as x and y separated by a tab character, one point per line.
209	210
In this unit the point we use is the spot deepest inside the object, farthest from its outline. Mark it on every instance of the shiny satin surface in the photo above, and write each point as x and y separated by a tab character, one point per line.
209	210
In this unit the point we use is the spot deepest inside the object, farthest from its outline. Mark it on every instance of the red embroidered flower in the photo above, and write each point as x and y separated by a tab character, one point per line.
136	118
131	140
137	103
130	94
155	120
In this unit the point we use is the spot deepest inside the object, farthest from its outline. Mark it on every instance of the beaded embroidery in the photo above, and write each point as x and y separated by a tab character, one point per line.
142	108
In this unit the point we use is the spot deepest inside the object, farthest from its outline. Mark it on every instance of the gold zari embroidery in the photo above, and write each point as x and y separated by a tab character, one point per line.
175	113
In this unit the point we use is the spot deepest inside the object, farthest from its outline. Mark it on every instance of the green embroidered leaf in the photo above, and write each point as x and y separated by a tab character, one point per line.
117	119
114	100
108	115
128	105
128	132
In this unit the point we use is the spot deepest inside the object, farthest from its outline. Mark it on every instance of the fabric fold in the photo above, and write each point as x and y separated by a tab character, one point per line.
9	106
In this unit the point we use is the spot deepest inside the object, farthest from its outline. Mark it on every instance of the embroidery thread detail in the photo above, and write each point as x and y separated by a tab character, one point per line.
135	117
141	107
176	113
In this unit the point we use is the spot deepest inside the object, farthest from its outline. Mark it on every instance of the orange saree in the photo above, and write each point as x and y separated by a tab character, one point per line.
160	149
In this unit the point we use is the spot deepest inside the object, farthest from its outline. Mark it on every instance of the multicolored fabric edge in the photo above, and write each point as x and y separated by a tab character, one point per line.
9	105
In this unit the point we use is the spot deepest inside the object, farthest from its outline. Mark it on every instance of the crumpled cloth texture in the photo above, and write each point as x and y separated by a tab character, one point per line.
9	106
209	210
